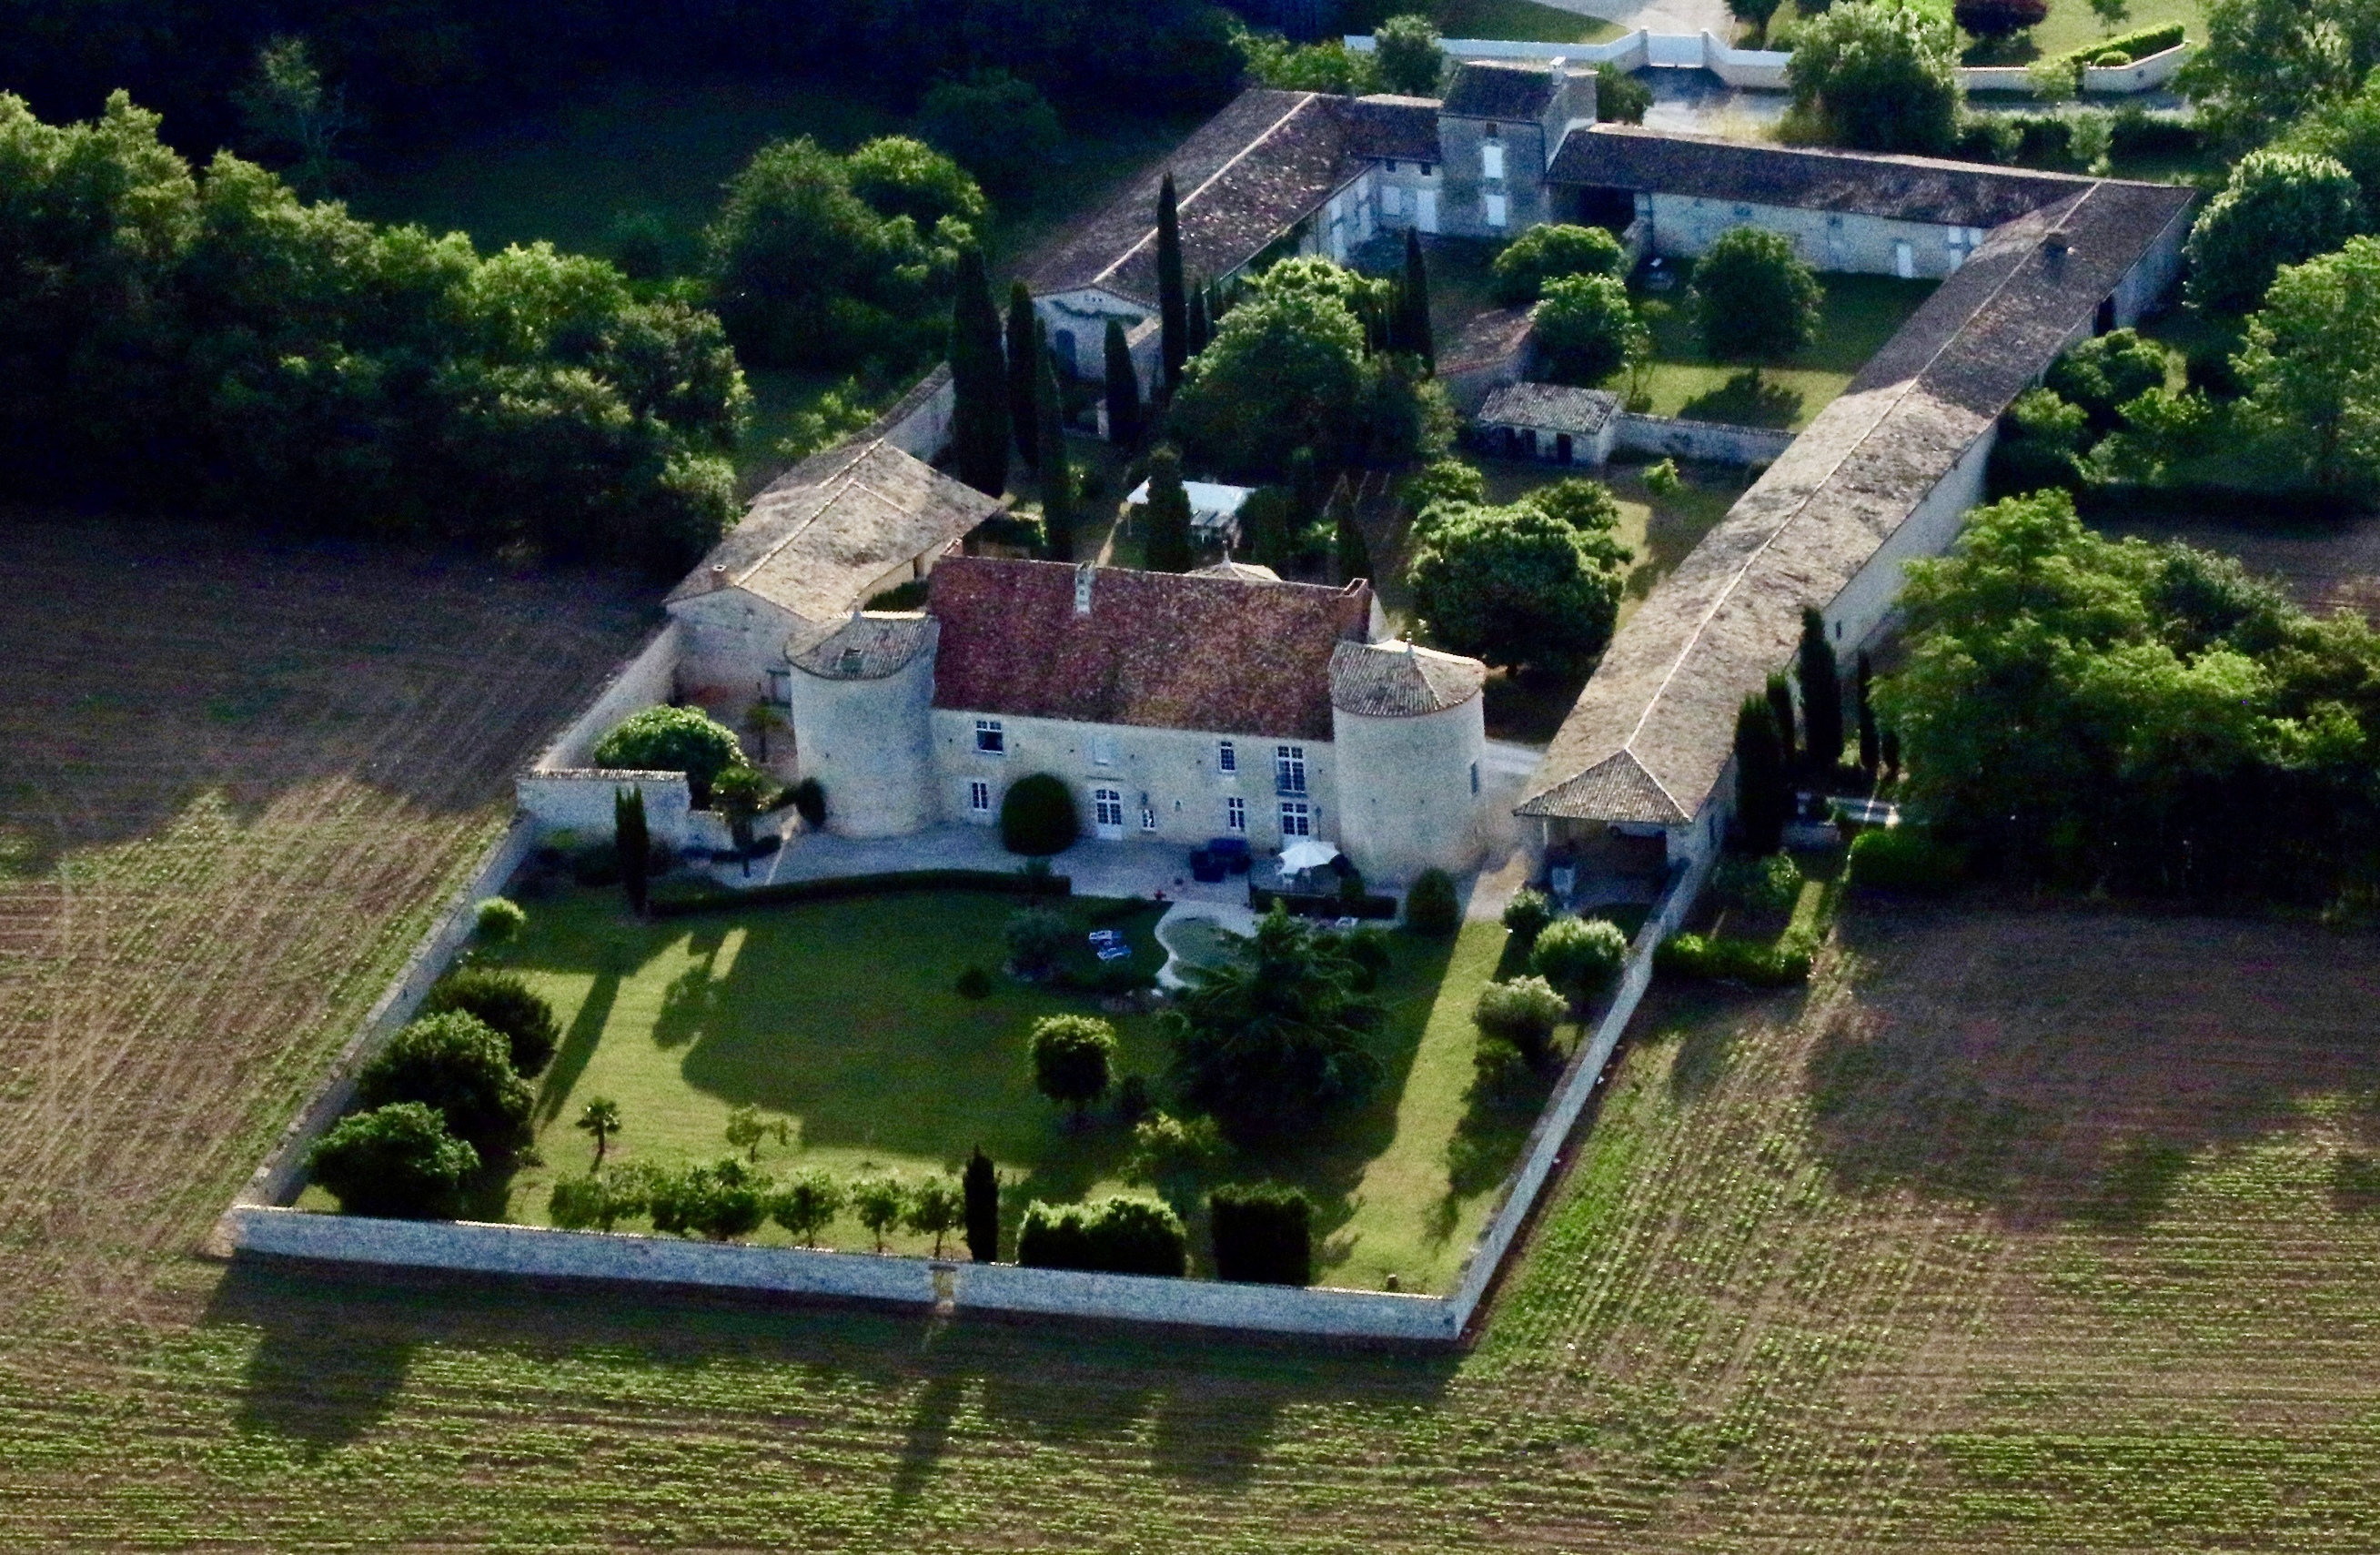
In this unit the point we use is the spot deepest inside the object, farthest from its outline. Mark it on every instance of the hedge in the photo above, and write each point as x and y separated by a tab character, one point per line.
1315	905
1722	958
2134	46
1263	1235
672	900
1117	1235
1906	860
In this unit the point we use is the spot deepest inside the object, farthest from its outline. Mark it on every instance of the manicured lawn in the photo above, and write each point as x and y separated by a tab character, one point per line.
2071	24
1520	20
1862	312
842	1019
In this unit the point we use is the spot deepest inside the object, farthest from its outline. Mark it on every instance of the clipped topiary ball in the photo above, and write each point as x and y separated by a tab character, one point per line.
1430	905
1036	816
499	920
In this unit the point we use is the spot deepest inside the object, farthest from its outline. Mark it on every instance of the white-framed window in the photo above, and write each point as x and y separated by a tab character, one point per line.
1289	768
1235	814
1227	757
1497	211
1392	199
1103	750
1296	819
979	797
1475	777
1107	806
991	739
1491	161
1148	818
781	688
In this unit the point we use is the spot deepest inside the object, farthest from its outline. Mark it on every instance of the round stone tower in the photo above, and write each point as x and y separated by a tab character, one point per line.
862	697
1409	732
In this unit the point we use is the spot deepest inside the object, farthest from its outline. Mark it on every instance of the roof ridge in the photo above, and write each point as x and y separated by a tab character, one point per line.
1908	386
1303	102
830	489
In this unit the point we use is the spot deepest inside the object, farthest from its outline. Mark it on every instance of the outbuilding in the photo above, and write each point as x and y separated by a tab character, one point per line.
1550	421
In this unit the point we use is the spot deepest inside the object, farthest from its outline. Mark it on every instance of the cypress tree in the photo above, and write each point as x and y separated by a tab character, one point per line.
1124	389
1172	303
1169	546
1305	491
1413	332
1201	325
980	1187
1057	480
1870	750
1822	698
1780	705
978	381
1889	744
1762	796
1355	557
1024	337
633	842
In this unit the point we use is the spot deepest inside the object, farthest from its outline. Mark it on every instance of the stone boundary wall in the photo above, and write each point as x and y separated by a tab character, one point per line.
539	1253
276	1181
579	799
1554	1126
1764	69
920	422
648	680
1674	437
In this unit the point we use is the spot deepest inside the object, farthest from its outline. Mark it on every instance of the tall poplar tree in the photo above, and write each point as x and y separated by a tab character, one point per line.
1173	300
978	381
1169	546
1413	328
1124	389
1049	433
1024	353
1822	698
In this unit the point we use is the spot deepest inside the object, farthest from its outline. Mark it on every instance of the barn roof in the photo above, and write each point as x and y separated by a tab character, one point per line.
1658	716
1167	651
1486	88
1550	407
829	530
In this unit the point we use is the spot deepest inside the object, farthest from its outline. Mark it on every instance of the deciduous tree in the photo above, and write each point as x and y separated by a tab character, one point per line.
1754	298
1073	1058
2279	208
1878	75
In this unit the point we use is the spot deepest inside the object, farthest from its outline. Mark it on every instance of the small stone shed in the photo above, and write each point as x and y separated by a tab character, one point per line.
1549	421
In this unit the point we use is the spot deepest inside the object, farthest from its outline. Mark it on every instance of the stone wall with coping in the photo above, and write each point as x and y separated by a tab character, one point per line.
1674	438
647	680
580	801
276	1180
539	1253
1551	1136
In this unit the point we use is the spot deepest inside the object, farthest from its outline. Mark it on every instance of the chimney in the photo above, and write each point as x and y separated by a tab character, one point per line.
2056	243
1082	589
719	577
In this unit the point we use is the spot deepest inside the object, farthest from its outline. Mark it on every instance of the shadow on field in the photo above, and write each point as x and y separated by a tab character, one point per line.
334	1349
2076	1066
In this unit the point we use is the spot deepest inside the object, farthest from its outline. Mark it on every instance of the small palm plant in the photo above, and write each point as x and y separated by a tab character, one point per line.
601	1119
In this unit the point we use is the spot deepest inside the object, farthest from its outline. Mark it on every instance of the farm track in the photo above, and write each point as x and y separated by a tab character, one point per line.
2025	1230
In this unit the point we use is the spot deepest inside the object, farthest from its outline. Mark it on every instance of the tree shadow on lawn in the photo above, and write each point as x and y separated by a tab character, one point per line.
2068	1066
334	1350
1747	399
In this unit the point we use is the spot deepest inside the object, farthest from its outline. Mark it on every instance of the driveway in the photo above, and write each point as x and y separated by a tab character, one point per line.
1687	16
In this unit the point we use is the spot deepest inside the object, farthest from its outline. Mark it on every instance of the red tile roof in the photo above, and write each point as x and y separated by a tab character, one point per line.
1163	650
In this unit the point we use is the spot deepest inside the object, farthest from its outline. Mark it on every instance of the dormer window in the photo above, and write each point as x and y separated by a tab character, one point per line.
852	658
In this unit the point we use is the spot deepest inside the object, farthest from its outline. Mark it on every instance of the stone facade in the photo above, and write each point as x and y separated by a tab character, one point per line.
1684	225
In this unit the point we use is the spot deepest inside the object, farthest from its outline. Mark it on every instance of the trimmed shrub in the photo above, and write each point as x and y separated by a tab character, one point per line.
975	983
1499	1070
1430	905
1071	1058
698	894
1526	914
1764	885
597	1202
720	1202
809	802
1036	816
399	1160
457	1065
807	1205
1134	1099
1905	858
1722	958
504	1002
498	920
1035	939
1263	1235
1997	18
1549	252
1523	1012
1579	955
1117	1235
670	740
1170	1150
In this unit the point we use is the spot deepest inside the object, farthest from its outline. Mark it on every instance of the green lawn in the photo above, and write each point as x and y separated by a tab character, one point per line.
842	1019
2071	24
1524	20
1862	313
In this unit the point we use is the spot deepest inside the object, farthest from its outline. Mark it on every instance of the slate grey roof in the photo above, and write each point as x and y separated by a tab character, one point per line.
1906	188
1243	178
1489	340
868	647
1665	694
1499	89
1246	572
1398	680
1392	129
831	526
1550	407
